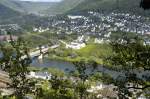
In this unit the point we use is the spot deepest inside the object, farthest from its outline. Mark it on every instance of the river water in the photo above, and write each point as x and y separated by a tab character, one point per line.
61	65
67	67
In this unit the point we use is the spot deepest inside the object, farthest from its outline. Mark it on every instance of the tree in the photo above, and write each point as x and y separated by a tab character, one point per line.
131	56
82	68
62	88
58	87
15	61
145	4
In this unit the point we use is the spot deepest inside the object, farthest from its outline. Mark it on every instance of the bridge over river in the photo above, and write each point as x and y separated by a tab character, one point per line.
40	52
4	77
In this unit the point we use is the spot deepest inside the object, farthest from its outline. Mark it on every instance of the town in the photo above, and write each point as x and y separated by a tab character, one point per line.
100	25
94	23
96	27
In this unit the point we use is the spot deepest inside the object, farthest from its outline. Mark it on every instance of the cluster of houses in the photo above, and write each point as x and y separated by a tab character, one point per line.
4	36
102	91
98	24
9	27
40	29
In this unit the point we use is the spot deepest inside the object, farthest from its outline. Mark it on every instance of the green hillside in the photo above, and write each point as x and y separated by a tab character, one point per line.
110	5
26	7
7	13
34	7
73	6
12	5
12	9
63	7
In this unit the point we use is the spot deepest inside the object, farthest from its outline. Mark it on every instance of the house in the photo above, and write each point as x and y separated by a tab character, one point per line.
75	45
74	17
104	91
8	38
40	75
99	41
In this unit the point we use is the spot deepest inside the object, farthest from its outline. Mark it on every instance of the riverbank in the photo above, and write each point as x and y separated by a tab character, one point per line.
68	59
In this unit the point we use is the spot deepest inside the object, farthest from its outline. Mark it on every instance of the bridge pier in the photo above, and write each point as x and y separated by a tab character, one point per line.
38	53
40	57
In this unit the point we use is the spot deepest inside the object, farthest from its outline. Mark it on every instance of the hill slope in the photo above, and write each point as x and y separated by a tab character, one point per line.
26	7
33	7
63	6
12	5
7	13
110	5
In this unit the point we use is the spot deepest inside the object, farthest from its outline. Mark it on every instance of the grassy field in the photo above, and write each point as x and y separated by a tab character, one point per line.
96	52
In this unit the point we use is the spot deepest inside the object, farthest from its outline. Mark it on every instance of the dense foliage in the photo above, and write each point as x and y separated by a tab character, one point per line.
15	61
132	57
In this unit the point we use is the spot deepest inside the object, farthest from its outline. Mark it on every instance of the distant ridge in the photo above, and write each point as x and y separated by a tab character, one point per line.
26	7
10	10
7	13
62	7
132	6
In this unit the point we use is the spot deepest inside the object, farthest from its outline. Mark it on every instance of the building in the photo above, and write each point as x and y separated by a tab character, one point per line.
75	45
40	75
8	38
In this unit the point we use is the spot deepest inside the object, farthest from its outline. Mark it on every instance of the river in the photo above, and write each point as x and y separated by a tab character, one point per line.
67	67
62	65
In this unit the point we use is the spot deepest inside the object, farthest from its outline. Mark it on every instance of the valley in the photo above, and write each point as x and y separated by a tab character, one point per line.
74	49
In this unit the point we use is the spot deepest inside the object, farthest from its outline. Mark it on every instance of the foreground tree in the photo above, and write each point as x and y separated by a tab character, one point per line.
83	67
132	58
15	61
58	87
62	88
145	4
